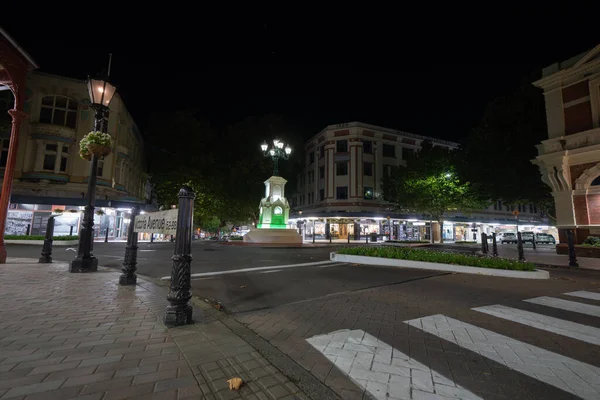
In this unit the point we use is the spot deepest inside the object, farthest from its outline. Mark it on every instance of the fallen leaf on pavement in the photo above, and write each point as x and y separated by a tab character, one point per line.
243	286
235	383
217	306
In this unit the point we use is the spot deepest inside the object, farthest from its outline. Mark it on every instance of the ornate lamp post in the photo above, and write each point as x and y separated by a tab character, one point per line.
278	150
101	93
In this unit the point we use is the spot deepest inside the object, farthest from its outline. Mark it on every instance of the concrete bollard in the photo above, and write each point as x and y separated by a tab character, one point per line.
129	277
46	257
179	312
520	247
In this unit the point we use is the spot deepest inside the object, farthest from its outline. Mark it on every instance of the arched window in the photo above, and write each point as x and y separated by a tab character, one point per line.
278	211
59	110
596	182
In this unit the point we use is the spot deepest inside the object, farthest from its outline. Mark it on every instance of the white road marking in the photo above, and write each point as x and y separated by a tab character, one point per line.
574	330
562	372
382	370
147	250
585	295
237	271
271	271
566	305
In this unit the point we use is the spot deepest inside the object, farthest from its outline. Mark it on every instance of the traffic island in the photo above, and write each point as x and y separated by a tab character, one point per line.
438	261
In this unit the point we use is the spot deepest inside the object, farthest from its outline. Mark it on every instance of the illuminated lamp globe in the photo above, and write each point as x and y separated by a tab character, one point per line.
264	146
101	91
288	150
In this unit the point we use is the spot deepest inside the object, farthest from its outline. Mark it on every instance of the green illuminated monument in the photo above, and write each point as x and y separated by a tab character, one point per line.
274	207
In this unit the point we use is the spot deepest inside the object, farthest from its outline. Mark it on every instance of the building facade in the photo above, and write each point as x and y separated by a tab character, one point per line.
569	159
49	174
339	190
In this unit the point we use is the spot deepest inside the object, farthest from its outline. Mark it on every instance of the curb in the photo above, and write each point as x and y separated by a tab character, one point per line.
41	242
389	262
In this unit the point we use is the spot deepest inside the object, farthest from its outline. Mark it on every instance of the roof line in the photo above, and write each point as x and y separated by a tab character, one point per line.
26	55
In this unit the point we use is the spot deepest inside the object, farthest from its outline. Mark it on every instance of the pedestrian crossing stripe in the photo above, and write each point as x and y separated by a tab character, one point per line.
585	295
567	305
570	329
383	371
565	373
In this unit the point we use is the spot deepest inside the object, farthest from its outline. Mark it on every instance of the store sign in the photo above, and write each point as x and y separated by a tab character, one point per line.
164	222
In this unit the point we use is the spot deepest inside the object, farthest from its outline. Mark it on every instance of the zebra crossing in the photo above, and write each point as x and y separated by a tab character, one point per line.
565	373
386	373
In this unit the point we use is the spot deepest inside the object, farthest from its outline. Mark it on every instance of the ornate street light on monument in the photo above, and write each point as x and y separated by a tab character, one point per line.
92	147
277	151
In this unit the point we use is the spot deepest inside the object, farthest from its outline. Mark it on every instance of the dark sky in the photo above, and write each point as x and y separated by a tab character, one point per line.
255	68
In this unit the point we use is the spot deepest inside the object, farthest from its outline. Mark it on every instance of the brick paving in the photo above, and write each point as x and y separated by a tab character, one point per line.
382	313
82	336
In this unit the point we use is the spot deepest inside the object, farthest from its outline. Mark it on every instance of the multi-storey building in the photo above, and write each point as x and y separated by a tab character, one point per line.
340	189
570	158
50	175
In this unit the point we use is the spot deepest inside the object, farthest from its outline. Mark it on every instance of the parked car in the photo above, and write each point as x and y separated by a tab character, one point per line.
527	236
545	238
509	238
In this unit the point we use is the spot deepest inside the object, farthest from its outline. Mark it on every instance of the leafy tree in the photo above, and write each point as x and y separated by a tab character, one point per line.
496	156
430	185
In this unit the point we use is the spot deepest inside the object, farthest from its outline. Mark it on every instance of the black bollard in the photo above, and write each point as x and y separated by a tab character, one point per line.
27	230
106	236
128	277
367	239
572	255
71	231
533	242
47	249
348	238
483	243
494	245
152	238
520	247
179	312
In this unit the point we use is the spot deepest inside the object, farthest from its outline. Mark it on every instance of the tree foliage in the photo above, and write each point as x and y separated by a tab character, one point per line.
430	185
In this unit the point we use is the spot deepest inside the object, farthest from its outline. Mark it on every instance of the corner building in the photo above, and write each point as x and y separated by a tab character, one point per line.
339	190
50	175
569	159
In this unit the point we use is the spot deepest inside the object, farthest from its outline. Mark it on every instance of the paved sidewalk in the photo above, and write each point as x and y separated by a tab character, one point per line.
547	256
65	336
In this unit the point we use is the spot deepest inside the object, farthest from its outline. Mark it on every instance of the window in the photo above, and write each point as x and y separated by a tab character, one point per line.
64	157
4	157
406	153
321	194
321	172
341	146
311	157
368	169
389	150
367	147
368	193
59	110
341	192
341	168
322	151
50	157
100	169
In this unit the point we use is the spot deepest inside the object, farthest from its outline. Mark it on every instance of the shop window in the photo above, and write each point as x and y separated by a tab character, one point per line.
321	194
341	192
367	147
341	168
389	150
4	156
368	193
321	172
368	169
341	146
311	157
59	110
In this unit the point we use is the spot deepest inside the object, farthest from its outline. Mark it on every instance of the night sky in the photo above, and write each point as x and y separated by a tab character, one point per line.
437	92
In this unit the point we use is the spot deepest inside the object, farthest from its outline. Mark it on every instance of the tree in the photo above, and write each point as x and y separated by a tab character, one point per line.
430	185
496	156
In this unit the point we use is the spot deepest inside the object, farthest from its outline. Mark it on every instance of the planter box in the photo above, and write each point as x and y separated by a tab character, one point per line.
41	242
580	251
392	262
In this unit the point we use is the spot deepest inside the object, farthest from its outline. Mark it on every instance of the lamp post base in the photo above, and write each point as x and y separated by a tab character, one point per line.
178	315
128	279
89	264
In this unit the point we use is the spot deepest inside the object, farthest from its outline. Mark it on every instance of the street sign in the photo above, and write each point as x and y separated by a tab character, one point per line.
164	222
516	213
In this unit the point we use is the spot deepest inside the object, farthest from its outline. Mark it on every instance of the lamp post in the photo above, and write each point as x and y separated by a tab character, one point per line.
101	93
277	150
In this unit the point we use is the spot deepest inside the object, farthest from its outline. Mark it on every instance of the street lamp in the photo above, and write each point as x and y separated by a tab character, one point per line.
101	93
277	150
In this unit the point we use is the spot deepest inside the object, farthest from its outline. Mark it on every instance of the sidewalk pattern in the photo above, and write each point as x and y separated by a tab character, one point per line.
83	336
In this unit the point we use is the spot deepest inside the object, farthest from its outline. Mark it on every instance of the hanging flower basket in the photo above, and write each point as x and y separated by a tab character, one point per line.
97	143
85	154
98	149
